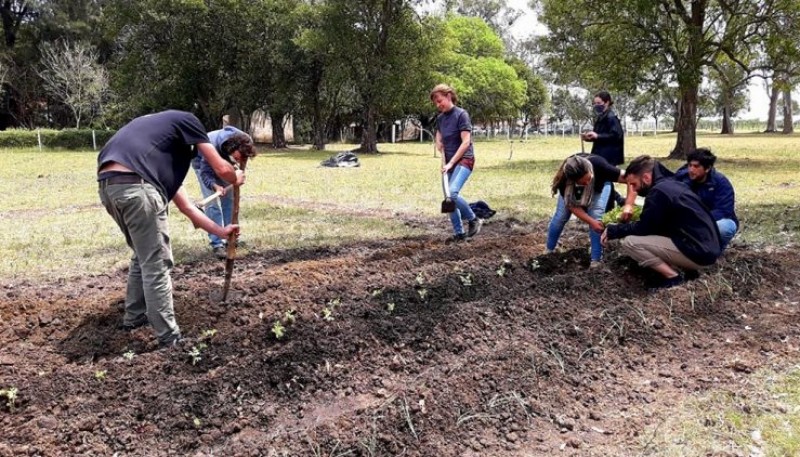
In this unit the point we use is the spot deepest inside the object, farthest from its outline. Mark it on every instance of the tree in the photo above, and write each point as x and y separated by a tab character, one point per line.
629	42
781	57
729	91
536	97
13	14
392	58
473	63
495	13
73	76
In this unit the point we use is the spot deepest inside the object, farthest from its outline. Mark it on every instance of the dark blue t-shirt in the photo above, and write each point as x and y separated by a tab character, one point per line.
450	125
158	147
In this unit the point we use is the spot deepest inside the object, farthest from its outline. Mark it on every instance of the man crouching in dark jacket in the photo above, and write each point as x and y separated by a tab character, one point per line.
675	229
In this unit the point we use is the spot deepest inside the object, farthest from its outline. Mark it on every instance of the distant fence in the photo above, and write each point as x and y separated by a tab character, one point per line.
75	139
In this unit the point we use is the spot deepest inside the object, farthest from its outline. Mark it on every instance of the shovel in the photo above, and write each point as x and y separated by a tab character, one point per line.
448	205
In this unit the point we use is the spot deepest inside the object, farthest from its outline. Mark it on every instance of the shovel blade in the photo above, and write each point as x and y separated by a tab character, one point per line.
448	205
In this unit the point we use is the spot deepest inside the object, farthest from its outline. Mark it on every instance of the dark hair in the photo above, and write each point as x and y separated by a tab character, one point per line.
704	156
572	168
640	165
605	96
241	142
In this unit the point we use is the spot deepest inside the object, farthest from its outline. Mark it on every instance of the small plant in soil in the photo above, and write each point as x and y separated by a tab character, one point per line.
208	334
327	314
377	293
505	266
534	265
100	375
465	277
289	316
129	355
11	397
197	422
422	293
390	307
420	279
278	329
195	354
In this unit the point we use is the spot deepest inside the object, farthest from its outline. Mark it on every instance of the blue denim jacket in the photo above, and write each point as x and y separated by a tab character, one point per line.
207	174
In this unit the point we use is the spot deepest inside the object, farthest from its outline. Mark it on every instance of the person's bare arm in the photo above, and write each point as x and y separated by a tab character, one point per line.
199	219
581	214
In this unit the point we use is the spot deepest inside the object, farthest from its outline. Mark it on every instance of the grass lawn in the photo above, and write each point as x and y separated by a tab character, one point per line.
54	228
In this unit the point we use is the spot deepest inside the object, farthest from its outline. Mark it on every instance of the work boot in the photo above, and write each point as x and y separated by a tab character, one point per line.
140	321
171	342
474	227
456	238
220	251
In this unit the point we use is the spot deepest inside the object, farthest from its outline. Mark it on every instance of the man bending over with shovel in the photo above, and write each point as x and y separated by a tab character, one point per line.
140	170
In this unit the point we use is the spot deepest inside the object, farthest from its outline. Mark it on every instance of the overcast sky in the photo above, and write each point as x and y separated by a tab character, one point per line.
759	101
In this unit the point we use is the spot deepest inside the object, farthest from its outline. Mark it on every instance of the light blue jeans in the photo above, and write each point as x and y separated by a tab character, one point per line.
595	210
727	230
220	211
458	177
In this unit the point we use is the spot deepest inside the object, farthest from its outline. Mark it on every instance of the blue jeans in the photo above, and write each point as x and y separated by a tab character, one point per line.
596	209
727	230
458	177
220	211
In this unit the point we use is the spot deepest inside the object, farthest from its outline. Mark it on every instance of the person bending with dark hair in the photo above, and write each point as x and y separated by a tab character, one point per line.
675	230
714	190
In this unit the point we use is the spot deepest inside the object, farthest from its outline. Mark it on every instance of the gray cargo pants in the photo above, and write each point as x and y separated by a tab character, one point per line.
653	250
141	213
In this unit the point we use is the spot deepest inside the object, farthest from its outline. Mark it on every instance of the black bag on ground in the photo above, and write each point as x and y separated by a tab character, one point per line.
482	210
342	160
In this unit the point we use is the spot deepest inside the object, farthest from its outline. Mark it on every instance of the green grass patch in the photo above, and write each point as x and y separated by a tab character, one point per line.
762	419
54	225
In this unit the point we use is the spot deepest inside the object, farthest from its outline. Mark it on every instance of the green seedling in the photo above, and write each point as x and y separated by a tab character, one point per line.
11	397
197	422
377	293
534	265
420	279
195	353
466	278
289	317
129	355
278	329
505	266
327	314
208	334
390	307
100	375
422	293
613	216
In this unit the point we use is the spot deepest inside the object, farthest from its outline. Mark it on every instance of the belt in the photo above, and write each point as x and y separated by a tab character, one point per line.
122	179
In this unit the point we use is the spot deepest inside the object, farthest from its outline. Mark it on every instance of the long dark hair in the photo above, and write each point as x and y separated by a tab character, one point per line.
605	96
571	169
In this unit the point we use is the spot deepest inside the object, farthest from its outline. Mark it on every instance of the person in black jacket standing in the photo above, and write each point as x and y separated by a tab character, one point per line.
675	229
607	137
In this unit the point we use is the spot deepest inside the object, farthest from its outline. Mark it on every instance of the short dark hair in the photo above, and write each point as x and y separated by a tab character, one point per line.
241	142
605	96
703	156
640	165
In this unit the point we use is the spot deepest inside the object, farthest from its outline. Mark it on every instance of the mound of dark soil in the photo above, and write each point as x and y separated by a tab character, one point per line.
408	347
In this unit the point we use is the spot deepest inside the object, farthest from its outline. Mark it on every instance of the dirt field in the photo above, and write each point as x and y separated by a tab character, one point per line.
393	348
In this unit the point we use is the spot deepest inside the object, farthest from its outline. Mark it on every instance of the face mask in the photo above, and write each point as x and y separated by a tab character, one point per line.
599	109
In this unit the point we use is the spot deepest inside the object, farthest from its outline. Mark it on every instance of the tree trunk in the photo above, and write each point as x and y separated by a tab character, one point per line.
677	116
369	136
278	137
727	123
687	122
773	109
318	127
788	120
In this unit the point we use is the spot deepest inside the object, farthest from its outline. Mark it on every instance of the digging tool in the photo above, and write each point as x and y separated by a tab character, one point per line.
230	255
206	201
448	205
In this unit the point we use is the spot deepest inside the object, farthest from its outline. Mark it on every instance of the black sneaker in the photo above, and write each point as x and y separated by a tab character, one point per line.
456	238
667	283
474	227
171	342
140	321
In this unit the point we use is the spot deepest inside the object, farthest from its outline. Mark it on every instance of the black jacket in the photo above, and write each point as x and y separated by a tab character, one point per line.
610	141
671	209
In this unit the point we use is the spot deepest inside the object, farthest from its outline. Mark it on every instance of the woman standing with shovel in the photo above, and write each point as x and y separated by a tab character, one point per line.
454	141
